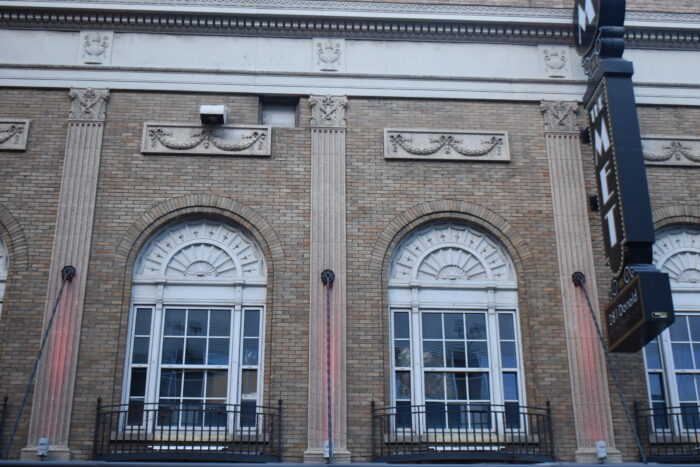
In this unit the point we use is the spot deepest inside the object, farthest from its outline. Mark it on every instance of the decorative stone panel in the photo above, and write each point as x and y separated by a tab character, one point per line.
329	55
224	140
555	61
451	145
671	150
13	135
95	47
328	111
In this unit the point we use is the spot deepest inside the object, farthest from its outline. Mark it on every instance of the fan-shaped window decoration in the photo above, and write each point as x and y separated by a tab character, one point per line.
196	328
455	340
673	359
3	272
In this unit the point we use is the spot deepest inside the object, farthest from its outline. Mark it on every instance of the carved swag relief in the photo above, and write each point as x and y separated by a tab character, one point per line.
672	151
446	145
13	135
174	138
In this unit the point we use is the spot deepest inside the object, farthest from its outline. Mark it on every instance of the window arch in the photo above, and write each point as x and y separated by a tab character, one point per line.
3	271
455	346
196	325
673	359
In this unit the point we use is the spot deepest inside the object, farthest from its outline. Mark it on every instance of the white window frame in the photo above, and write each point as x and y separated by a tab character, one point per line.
243	291
490	295
4	260
686	298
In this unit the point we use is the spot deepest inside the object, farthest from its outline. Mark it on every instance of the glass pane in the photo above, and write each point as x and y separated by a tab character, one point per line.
138	382
512	415
696	354
192	413
194	384
434	386
510	386
690	416
249	384
432	354
218	352
505	326
679	329
661	419
686	387
140	354
457	416
170	383
248	417
432	326
173	350
694	322
401	326
454	355
652	353
174	323
454	326
508	358
682	358
402	353
403	414
456	385
435	415
168	412
220	323
197	323
656	388
403	385
215	415
135	415
477	355
251	327
476	326
479	386
250	351
194	353
217	383
142	327
480	416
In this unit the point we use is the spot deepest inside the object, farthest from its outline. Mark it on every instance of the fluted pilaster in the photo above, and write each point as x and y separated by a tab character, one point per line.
328	251
589	384
53	395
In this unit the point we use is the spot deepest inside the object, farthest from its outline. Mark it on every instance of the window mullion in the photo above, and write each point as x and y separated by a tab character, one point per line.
418	394
236	349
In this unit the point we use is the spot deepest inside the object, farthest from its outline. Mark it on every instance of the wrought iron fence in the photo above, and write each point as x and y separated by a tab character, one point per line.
462	431
669	434
223	432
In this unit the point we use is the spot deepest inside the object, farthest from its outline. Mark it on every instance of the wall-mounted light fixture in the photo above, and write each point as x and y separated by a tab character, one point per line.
213	114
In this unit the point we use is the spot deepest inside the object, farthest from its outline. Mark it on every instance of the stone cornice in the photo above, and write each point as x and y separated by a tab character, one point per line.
310	18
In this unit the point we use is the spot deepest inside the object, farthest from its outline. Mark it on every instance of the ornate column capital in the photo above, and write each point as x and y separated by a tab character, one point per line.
88	104
328	111
560	116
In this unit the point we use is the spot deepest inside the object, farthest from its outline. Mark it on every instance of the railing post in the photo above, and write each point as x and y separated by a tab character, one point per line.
3	417
279	429
550	427
374	444
97	428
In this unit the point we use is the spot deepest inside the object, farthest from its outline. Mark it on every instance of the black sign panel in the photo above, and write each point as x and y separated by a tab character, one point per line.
641	310
590	16
623	194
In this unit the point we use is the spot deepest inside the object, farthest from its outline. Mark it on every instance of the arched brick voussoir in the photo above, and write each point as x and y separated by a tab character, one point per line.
14	239
447	209
676	215
200	204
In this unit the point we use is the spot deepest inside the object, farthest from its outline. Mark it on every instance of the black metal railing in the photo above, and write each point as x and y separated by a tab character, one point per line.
213	432
669	434
462	432
4	410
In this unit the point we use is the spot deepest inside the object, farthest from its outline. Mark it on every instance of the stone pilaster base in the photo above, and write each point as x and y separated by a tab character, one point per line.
313	456
590	456
56	453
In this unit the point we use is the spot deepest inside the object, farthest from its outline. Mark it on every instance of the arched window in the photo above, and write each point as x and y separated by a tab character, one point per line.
3	272
455	347
196	325
673	359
